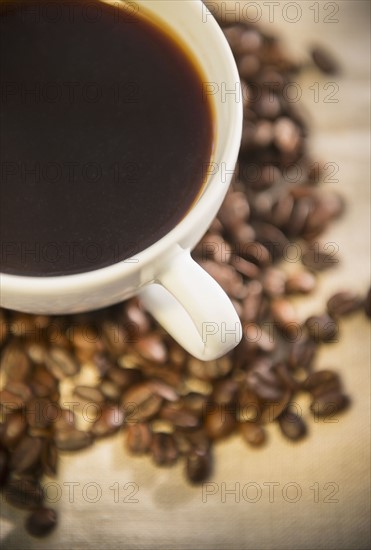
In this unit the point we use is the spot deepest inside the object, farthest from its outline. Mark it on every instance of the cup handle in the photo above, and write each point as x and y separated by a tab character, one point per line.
193	309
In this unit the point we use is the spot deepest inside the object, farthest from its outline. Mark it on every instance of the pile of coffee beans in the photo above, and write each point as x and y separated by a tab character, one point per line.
120	364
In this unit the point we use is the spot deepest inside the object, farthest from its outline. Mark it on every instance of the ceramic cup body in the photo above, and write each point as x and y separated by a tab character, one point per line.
185	300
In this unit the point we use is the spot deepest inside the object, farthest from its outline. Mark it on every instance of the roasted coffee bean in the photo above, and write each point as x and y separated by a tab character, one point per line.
41	522
24	493
110	390
138	438
219	421
284	315
88	394
65	420
225	392
109	421
319	260
141	403
198	465
322	381
273	281
292	425
343	303
327	404
61	363
10	401
123	378
324	61
302	282
3	328
252	301
195	402
152	347
245	268
272	409
164	449
253	433
15	363
234	211
164	390
322	328
227	277
115	337
15	427
41	412
262	380
302	353
26	454
179	416
135	320
72	440
86	341
209	370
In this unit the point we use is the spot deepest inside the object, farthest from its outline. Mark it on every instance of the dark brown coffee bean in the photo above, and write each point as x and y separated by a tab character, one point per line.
14	429
164	449
43	381
256	339
141	403
245	268
15	363
41	522
138	438
328	404
72	440
263	381
4	469
225	392
152	347
281	211
65	420
343	303
61	363
302	353
322	381
220	421
234	211
88	394
292	425
26	454
272	409
303	282
198	465
41	412
9	401
108	422
249	406
26	494
319	260
322	328
224	274
123	378
324	60
179	416
253	433
195	402
213	247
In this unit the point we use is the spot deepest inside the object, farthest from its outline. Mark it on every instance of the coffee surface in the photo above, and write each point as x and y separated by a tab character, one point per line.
104	136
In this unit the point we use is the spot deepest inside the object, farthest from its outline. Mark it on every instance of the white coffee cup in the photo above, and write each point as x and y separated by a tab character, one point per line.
185	300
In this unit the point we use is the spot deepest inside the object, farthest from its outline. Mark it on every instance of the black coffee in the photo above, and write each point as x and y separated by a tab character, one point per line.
104	136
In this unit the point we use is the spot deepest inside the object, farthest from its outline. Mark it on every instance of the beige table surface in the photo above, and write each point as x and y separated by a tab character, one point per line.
168	513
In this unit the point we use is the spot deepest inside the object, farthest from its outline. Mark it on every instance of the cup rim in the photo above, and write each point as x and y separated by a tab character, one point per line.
211	195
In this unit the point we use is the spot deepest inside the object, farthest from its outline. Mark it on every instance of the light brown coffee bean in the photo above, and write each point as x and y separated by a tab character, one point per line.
179	416
88	394
220	422
61	363
284	315
141	403
108	422
253	433
15	363
15	427
209	370
303	282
